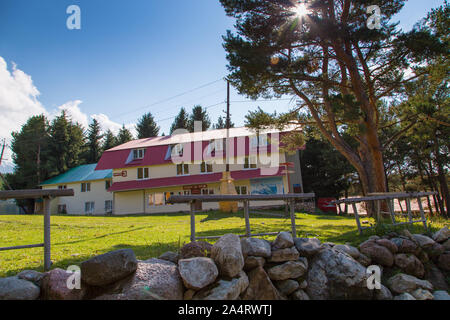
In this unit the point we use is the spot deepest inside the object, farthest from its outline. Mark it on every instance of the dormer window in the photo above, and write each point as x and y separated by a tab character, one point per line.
138	154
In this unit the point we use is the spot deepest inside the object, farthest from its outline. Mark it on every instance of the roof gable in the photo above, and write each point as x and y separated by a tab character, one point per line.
78	174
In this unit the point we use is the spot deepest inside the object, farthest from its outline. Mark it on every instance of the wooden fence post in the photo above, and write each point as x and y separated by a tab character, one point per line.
247	219
355	211
47	242
192	220
294	231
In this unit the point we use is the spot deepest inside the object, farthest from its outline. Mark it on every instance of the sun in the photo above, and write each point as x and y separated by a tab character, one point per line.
300	10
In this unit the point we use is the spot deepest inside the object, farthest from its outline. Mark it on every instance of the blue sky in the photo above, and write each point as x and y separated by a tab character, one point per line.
129	55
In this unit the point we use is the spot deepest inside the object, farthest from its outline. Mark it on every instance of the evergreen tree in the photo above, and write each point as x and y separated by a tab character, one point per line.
181	121
124	135
147	127
110	141
221	123
59	145
199	114
93	143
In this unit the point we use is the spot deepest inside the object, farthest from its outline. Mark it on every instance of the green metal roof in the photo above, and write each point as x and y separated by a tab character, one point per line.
85	172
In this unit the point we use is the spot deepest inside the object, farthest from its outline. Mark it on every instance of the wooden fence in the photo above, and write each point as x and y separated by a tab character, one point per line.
47	195
388	197
289	199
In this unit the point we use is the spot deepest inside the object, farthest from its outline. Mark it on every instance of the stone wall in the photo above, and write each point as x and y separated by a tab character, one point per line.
413	267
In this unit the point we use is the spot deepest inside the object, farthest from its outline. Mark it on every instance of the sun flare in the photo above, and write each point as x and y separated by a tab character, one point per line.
301	10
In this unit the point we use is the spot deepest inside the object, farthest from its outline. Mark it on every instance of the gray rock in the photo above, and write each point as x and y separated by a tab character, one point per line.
364	260
260	287
287	287
410	264
255	247
300	295
336	275
195	249
423	241
303	284
224	289
435	250
446	245
444	261
282	255
377	253
13	288
383	294
441	295
404	296
442	235
351	251
32	276
436	277
391	246
198	272
227	254
54	286
288	270
405	245
170	256
109	267
283	240
421	294
307	247
253	262
406	283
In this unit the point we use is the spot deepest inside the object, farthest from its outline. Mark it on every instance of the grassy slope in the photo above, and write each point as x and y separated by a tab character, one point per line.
75	239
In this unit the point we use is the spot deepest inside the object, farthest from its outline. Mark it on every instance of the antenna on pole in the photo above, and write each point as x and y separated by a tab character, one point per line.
1	157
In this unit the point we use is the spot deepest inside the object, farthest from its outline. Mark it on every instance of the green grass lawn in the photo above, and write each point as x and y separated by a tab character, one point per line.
77	238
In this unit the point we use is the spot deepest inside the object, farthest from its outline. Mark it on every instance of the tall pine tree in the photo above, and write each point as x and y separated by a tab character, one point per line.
110	141
147	127
124	135
93	143
199	114
181	121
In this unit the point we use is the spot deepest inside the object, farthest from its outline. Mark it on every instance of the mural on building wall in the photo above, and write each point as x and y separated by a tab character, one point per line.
267	186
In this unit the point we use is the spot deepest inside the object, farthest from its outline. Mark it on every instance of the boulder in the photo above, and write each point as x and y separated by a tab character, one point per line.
444	261
260	287
405	245
109	267
435	250
255	247
300	295
441	295
170	256
383	294
197	272
364	260
283	240
401	283
391	246
422	256
435	277
404	296
446	245
442	235
288	270
224	289
421	294
32	276
253	262
307	247
227	254
287	287
410	264
195	249
303	284
335	275
14	288
282	255
377	253
351	251
54	286
423	241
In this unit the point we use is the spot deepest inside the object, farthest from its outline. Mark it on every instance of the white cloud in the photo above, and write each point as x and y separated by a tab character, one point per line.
19	101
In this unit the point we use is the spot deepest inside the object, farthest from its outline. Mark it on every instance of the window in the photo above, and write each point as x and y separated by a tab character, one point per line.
138	154
108	206
187	192
107	184
157	199
262	140
62	187
241	189
206	167
207	191
62	209
86	187
89	207
250	162
182	169
253	142
142	173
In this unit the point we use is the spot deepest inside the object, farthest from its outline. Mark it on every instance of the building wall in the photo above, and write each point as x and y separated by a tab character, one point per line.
76	205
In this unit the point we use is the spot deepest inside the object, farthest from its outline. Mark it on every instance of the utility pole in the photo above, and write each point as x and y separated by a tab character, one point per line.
228	126
1	158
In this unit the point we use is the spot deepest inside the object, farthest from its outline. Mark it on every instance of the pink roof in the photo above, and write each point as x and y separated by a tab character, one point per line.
188	180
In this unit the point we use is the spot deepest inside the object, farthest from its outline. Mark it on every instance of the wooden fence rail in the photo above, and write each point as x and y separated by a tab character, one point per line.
289	199
47	196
